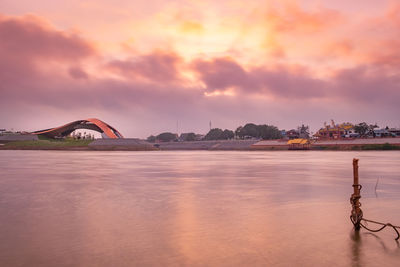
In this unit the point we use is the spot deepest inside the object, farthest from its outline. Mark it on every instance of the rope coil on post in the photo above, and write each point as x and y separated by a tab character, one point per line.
356	213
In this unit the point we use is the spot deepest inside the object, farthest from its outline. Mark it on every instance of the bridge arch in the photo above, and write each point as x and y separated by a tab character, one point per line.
97	125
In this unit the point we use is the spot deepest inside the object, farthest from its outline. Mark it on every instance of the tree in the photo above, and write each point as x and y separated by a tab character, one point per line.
371	129
250	129
239	132
214	134
151	139
218	134
188	137
361	128
267	132
227	134
258	131
166	137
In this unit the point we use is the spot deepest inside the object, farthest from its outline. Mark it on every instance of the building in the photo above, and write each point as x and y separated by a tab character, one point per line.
350	133
383	133
299	144
394	131
292	134
336	131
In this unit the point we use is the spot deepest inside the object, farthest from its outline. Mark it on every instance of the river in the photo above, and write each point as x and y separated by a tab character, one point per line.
195	208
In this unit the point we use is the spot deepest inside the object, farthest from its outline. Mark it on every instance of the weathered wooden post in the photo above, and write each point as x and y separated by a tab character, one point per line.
356	212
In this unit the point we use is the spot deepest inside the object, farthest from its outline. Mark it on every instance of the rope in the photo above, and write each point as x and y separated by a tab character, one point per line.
356	213
357	216
384	225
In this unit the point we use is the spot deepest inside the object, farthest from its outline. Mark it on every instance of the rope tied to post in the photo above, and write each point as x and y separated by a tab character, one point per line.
356	213
384	225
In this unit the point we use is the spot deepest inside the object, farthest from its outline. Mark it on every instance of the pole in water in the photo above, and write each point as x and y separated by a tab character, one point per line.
356	212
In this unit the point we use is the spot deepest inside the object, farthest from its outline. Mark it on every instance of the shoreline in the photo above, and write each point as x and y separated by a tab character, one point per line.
130	144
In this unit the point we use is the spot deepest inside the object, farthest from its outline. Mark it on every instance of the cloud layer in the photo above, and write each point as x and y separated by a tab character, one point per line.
308	65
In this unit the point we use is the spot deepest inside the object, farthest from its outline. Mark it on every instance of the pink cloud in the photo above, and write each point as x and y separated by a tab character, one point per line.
292	18
77	73
30	37
386	53
368	85
28	42
160	66
281	82
221	73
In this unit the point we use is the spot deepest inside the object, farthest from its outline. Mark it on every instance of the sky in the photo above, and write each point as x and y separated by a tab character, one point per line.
147	67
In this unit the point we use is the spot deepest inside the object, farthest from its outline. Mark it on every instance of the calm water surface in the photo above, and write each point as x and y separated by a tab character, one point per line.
60	208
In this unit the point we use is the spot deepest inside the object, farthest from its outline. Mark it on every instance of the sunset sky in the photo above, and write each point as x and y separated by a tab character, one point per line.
142	66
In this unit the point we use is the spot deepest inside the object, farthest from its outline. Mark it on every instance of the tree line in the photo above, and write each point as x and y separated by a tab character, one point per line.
250	130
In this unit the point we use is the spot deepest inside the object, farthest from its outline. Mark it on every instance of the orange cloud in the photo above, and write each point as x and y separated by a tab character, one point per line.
385	53
291	18
191	27
339	48
393	14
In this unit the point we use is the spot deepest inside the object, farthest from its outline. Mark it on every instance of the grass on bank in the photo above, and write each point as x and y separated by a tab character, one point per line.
385	146
49	143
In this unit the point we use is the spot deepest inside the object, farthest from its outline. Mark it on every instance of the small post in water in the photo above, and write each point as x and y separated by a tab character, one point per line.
356	212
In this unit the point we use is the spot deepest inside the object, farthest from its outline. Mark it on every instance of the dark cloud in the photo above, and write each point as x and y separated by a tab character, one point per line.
221	73
224	73
366	84
29	37
160	66
77	73
29	45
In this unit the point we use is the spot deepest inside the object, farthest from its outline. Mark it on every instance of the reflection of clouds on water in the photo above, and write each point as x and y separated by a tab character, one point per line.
193	208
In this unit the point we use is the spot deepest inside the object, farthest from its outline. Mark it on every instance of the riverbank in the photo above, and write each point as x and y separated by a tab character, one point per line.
46	145
132	144
354	144
79	145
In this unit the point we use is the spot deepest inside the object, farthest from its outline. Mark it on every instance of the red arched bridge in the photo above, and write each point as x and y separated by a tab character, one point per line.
97	125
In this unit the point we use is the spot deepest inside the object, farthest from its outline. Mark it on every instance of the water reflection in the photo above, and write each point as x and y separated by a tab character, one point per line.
375	246
194	208
356	248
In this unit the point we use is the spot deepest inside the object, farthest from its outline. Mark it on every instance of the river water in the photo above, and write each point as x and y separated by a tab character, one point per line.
195	208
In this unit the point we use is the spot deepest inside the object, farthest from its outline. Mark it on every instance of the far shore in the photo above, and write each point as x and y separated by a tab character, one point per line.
131	144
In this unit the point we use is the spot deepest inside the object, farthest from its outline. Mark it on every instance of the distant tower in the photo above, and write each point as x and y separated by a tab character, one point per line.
210	125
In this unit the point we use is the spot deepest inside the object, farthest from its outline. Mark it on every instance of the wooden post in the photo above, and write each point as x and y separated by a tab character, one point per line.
355	177
356	213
